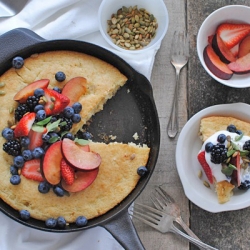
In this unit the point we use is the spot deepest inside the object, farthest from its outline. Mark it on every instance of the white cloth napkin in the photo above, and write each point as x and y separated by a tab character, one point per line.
64	19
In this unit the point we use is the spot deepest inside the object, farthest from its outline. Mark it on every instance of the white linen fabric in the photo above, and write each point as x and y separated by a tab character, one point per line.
64	19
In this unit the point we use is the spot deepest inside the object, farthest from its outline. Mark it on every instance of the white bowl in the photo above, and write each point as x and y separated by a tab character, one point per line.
230	13
156	7
188	146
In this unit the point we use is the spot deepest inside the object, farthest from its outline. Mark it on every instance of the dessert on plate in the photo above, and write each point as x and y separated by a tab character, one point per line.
224	155
47	171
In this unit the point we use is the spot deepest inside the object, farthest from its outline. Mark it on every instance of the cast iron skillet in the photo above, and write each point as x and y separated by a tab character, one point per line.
131	110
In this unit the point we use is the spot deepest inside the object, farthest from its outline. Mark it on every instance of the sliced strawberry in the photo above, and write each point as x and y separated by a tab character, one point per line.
210	39
36	137
236	173
24	125
31	170
22	95
67	172
205	166
232	33
55	102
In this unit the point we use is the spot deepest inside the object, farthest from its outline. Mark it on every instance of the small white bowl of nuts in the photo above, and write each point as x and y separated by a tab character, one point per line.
133	26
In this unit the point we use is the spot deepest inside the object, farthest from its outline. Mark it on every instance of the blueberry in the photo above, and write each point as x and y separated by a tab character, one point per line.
76	118
53	137
221	138
61	222
239	132
208	147
231	128
13	170
45	137
40	115
81	221
53	119
69	136
17	62
60	76
15	179
25	141
24	214
38	152
58	90
68	112
27	154
18	161
44	187
39	92
8	134
142	171
86	135
38	107
58	191
77	106
50	223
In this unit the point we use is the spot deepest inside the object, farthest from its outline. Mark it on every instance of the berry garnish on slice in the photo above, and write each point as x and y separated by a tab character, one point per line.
22	95
23	127
31	170
67	172
232	33
205	166
55	102
17	62
36	136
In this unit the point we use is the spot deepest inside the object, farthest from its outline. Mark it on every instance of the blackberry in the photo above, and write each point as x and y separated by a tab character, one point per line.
32	101
246	145
218	154
12	147
68	126
22	109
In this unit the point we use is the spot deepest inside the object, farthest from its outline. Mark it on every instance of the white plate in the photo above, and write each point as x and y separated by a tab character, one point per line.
188	146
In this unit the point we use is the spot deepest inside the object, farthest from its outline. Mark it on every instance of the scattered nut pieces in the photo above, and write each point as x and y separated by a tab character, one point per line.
132	28
136	136
200	174
206	184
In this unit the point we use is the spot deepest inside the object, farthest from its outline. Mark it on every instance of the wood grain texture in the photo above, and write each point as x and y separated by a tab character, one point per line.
163	82
227	230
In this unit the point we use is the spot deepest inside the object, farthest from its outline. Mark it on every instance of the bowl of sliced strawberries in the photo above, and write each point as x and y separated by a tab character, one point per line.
223	45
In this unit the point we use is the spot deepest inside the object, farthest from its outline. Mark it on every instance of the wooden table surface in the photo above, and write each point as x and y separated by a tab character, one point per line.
226	230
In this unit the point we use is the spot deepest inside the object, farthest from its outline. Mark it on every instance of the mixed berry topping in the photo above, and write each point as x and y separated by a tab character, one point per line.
60	76
24	215
218	154
17	62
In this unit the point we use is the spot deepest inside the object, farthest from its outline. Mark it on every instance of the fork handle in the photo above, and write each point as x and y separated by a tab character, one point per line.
198	243
186	228
173	126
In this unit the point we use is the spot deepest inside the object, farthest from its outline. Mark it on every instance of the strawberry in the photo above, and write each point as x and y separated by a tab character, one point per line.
55	102
24	125
31	170
67	172
232	33
36	137
205	166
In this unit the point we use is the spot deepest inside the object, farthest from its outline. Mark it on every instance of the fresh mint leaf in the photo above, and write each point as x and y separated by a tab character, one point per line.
228	170
52	126
44	122
81	141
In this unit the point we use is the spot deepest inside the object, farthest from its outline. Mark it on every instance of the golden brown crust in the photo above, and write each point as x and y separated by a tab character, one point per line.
210	125
224	191
117	176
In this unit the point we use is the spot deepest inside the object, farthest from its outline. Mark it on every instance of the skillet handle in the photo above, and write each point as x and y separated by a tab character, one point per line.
123	230
16	40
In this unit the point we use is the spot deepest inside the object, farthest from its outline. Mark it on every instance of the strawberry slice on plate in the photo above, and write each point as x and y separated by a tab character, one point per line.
31	170
24	125
205	166
55	102
36	136
232	33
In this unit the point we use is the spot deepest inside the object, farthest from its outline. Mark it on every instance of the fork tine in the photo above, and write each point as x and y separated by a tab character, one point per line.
143	220
157	203
147	215
164	195
153	210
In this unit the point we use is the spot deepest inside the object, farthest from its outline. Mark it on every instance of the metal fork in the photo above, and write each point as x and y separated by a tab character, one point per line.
162	222
164	202
179	58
